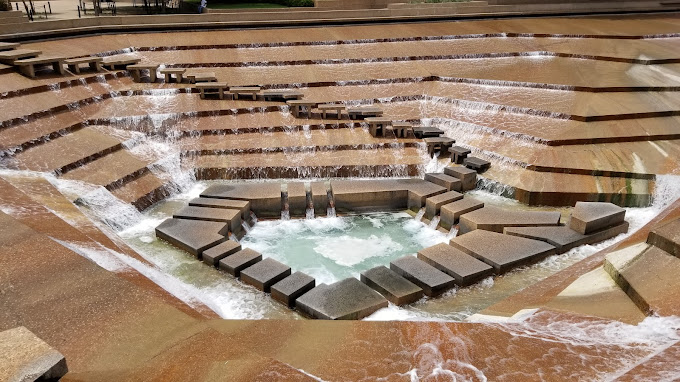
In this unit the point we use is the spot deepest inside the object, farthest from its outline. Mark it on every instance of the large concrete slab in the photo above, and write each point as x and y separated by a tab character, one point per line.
565	238
239	261
464	268
589	217
223	215
212	256
231	204
265	198
394	287
193	236
502	252
433	281
667	237
262	275
25	357
348	299
382	194
289	289
446	181
495	219
450	213
467	176
434	204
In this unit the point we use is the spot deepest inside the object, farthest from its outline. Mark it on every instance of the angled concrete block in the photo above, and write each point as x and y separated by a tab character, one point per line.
464	268
433	281
502	252
264	198
193	236
388	283
467	176
588	217
290	288
434	203
495	219
446	181
450	213
212	256
478	164
231	204
667	237
25	357
565	238
239	261
263	274
348	299
231	217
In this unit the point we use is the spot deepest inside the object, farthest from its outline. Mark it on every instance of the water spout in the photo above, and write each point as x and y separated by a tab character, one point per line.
435	222
420	214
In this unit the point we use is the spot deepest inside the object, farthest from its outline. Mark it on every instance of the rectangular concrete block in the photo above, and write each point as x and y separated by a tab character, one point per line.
320	198
464	268
193	236
263	274
394	287
446	181
433	281
502	252
290	288
264	198
450	213
564	238
667	237
231	217
588	217
467	176
434	204
231	204
297	199
25	357
239	261
348	299
212	256
495	219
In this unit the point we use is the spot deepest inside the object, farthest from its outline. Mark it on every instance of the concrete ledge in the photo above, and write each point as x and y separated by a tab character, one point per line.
431	280
564	238
388	283
239	261
231	217
212	256
434	204
25	357
289	289
241	205
263	274
450	213
467	176
495	219
193	236
349	299
264	198
589	217
667	237
464	268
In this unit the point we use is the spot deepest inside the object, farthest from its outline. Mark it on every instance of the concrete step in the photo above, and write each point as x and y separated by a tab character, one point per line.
111	171
68	152
450	213
502	252
193	236
430	279
27	358
348	299
565	238
263	274
241	205
648	275
433	204
143	191
446	181
264	198
393	287
212	256
464	268
290	288
667	237
467	176
588	217
496	219
239	261
231	217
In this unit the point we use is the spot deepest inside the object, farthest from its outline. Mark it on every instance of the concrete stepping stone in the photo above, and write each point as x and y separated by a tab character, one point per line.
239	261
667	237
565	238
230	204
589	217
446	181
262	275
193	236
467	176
289	289
231	217
458	154
25	357
502	252
434	204
495	219
388	283
433	281
265	198
450	213
464	268
477	164
212	256
348	299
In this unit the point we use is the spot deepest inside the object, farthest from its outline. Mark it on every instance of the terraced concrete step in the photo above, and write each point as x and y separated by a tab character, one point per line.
649	276
450	213
193	236
667	237
496	219
67	152
143	191
393	287
430	279
239	261
464	268
110	171
264	198
263	274
446	181
467	176
383	194
565	238
289	289
241	205
502	252
251	367
212	256
348	299
28	358
589	217
433	204
231	217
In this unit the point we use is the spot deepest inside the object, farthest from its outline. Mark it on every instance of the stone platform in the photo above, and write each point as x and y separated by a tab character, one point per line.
464	268
25	357
193	236
388	283
431	280
349	299
496	219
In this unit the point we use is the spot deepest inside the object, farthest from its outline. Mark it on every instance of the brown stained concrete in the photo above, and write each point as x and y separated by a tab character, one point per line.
655	367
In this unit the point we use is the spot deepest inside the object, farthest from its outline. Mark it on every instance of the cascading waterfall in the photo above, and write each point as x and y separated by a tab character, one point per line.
330	210
309	214
420	214
434	223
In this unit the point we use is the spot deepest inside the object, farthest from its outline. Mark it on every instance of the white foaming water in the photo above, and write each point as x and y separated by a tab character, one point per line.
336	248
